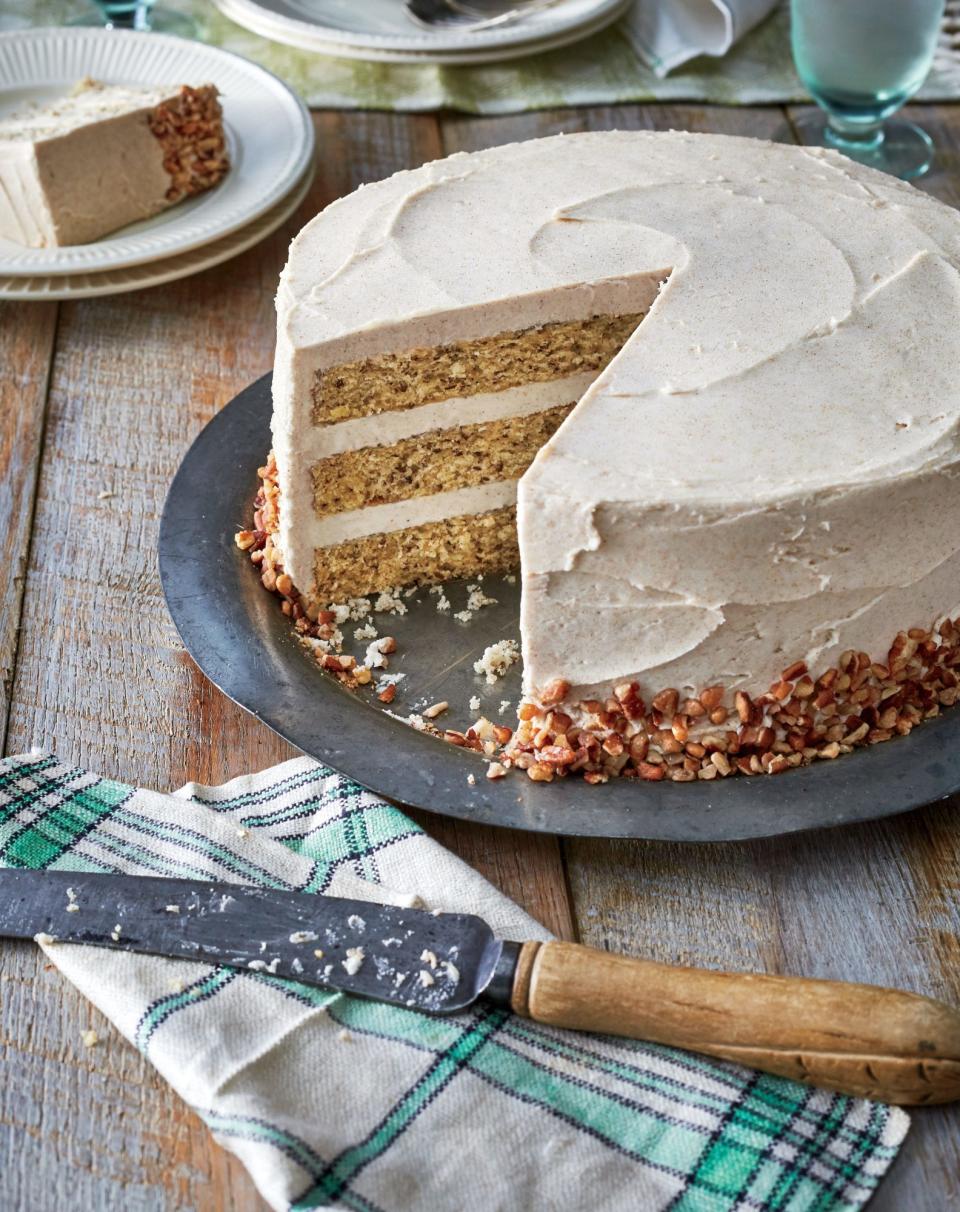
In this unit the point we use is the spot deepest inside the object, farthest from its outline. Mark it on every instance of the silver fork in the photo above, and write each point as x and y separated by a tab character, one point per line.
473	16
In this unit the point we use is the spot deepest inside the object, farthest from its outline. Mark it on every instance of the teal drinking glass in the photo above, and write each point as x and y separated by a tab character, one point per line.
861	60
138	14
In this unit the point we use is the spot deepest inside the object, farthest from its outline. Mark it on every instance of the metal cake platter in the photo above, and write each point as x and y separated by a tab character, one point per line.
244	644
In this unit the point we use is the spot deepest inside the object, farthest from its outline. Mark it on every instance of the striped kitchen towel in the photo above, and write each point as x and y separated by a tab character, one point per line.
331	1101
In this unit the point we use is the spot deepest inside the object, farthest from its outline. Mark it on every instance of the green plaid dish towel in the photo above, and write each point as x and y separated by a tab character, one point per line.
331	1101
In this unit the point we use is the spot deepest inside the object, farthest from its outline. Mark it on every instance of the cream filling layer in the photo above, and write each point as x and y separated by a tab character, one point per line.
418	511
385	428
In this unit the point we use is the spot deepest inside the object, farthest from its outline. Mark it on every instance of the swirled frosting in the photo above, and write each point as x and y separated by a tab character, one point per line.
768	470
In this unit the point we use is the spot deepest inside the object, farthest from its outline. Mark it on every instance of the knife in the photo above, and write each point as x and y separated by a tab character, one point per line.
858	1039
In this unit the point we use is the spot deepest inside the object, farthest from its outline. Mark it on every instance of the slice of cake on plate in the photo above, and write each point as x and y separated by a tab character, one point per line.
104	157
718	376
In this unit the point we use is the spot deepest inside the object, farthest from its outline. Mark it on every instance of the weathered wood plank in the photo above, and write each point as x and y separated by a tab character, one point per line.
26	352
471	134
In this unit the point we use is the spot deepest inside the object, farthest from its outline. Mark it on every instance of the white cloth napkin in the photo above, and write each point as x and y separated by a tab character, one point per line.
667	33
332	1101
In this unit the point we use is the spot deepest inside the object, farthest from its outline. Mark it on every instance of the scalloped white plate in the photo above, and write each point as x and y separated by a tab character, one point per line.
379	30
139	277
269	132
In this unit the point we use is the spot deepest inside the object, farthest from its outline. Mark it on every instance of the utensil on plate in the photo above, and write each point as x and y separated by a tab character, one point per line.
859	1039
472	17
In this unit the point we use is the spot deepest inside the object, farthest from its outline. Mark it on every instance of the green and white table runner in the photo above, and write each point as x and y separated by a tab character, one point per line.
331	1101
602	70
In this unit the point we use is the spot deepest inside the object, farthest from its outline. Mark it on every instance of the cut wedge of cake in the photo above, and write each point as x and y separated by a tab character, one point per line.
719	370
104	157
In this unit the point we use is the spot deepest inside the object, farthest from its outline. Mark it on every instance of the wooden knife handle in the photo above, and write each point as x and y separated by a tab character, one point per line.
859	1039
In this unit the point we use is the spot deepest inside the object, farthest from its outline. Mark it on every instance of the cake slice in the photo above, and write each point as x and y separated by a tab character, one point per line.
106	156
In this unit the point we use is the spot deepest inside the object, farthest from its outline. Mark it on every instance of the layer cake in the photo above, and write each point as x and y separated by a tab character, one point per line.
713	376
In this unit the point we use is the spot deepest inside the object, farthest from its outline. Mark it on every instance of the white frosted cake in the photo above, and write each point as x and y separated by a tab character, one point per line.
104	157
716	380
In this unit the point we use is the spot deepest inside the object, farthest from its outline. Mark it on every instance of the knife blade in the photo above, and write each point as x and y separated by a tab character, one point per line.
410	957
858	1039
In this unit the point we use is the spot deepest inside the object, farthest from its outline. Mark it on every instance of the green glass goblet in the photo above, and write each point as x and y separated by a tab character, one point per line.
861	60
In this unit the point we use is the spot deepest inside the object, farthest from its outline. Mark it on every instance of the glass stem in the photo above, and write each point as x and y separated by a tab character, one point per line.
844	133
129	16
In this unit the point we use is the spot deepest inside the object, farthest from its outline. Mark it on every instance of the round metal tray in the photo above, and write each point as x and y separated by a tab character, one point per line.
240	639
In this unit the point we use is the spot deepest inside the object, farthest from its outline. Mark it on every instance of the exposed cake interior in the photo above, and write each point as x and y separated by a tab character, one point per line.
421	449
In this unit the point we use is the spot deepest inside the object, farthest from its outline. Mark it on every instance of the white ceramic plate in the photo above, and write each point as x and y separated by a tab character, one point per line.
379	29
138	277
269	132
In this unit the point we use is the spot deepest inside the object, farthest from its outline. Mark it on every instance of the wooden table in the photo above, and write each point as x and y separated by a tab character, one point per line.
104	396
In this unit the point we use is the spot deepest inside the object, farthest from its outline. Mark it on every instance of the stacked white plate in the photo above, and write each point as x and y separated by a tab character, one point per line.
381	30
269	134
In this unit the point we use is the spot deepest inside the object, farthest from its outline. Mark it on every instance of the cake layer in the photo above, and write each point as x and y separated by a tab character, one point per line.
432	462
418	555
413	511
383	429
398	381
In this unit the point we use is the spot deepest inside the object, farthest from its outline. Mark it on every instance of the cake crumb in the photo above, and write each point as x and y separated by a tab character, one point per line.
413	719
431	713
303	936
425	978
477	599
472	780
428	957
352	610
504	704
409	900
474	703
44	939
389	602
318	953
173	908
296	965
374	658
497	659
356	922
263	966
450	971
115	933
496	770
90	1038
354	960
510	579
443	603
72	908
463	616
366	632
